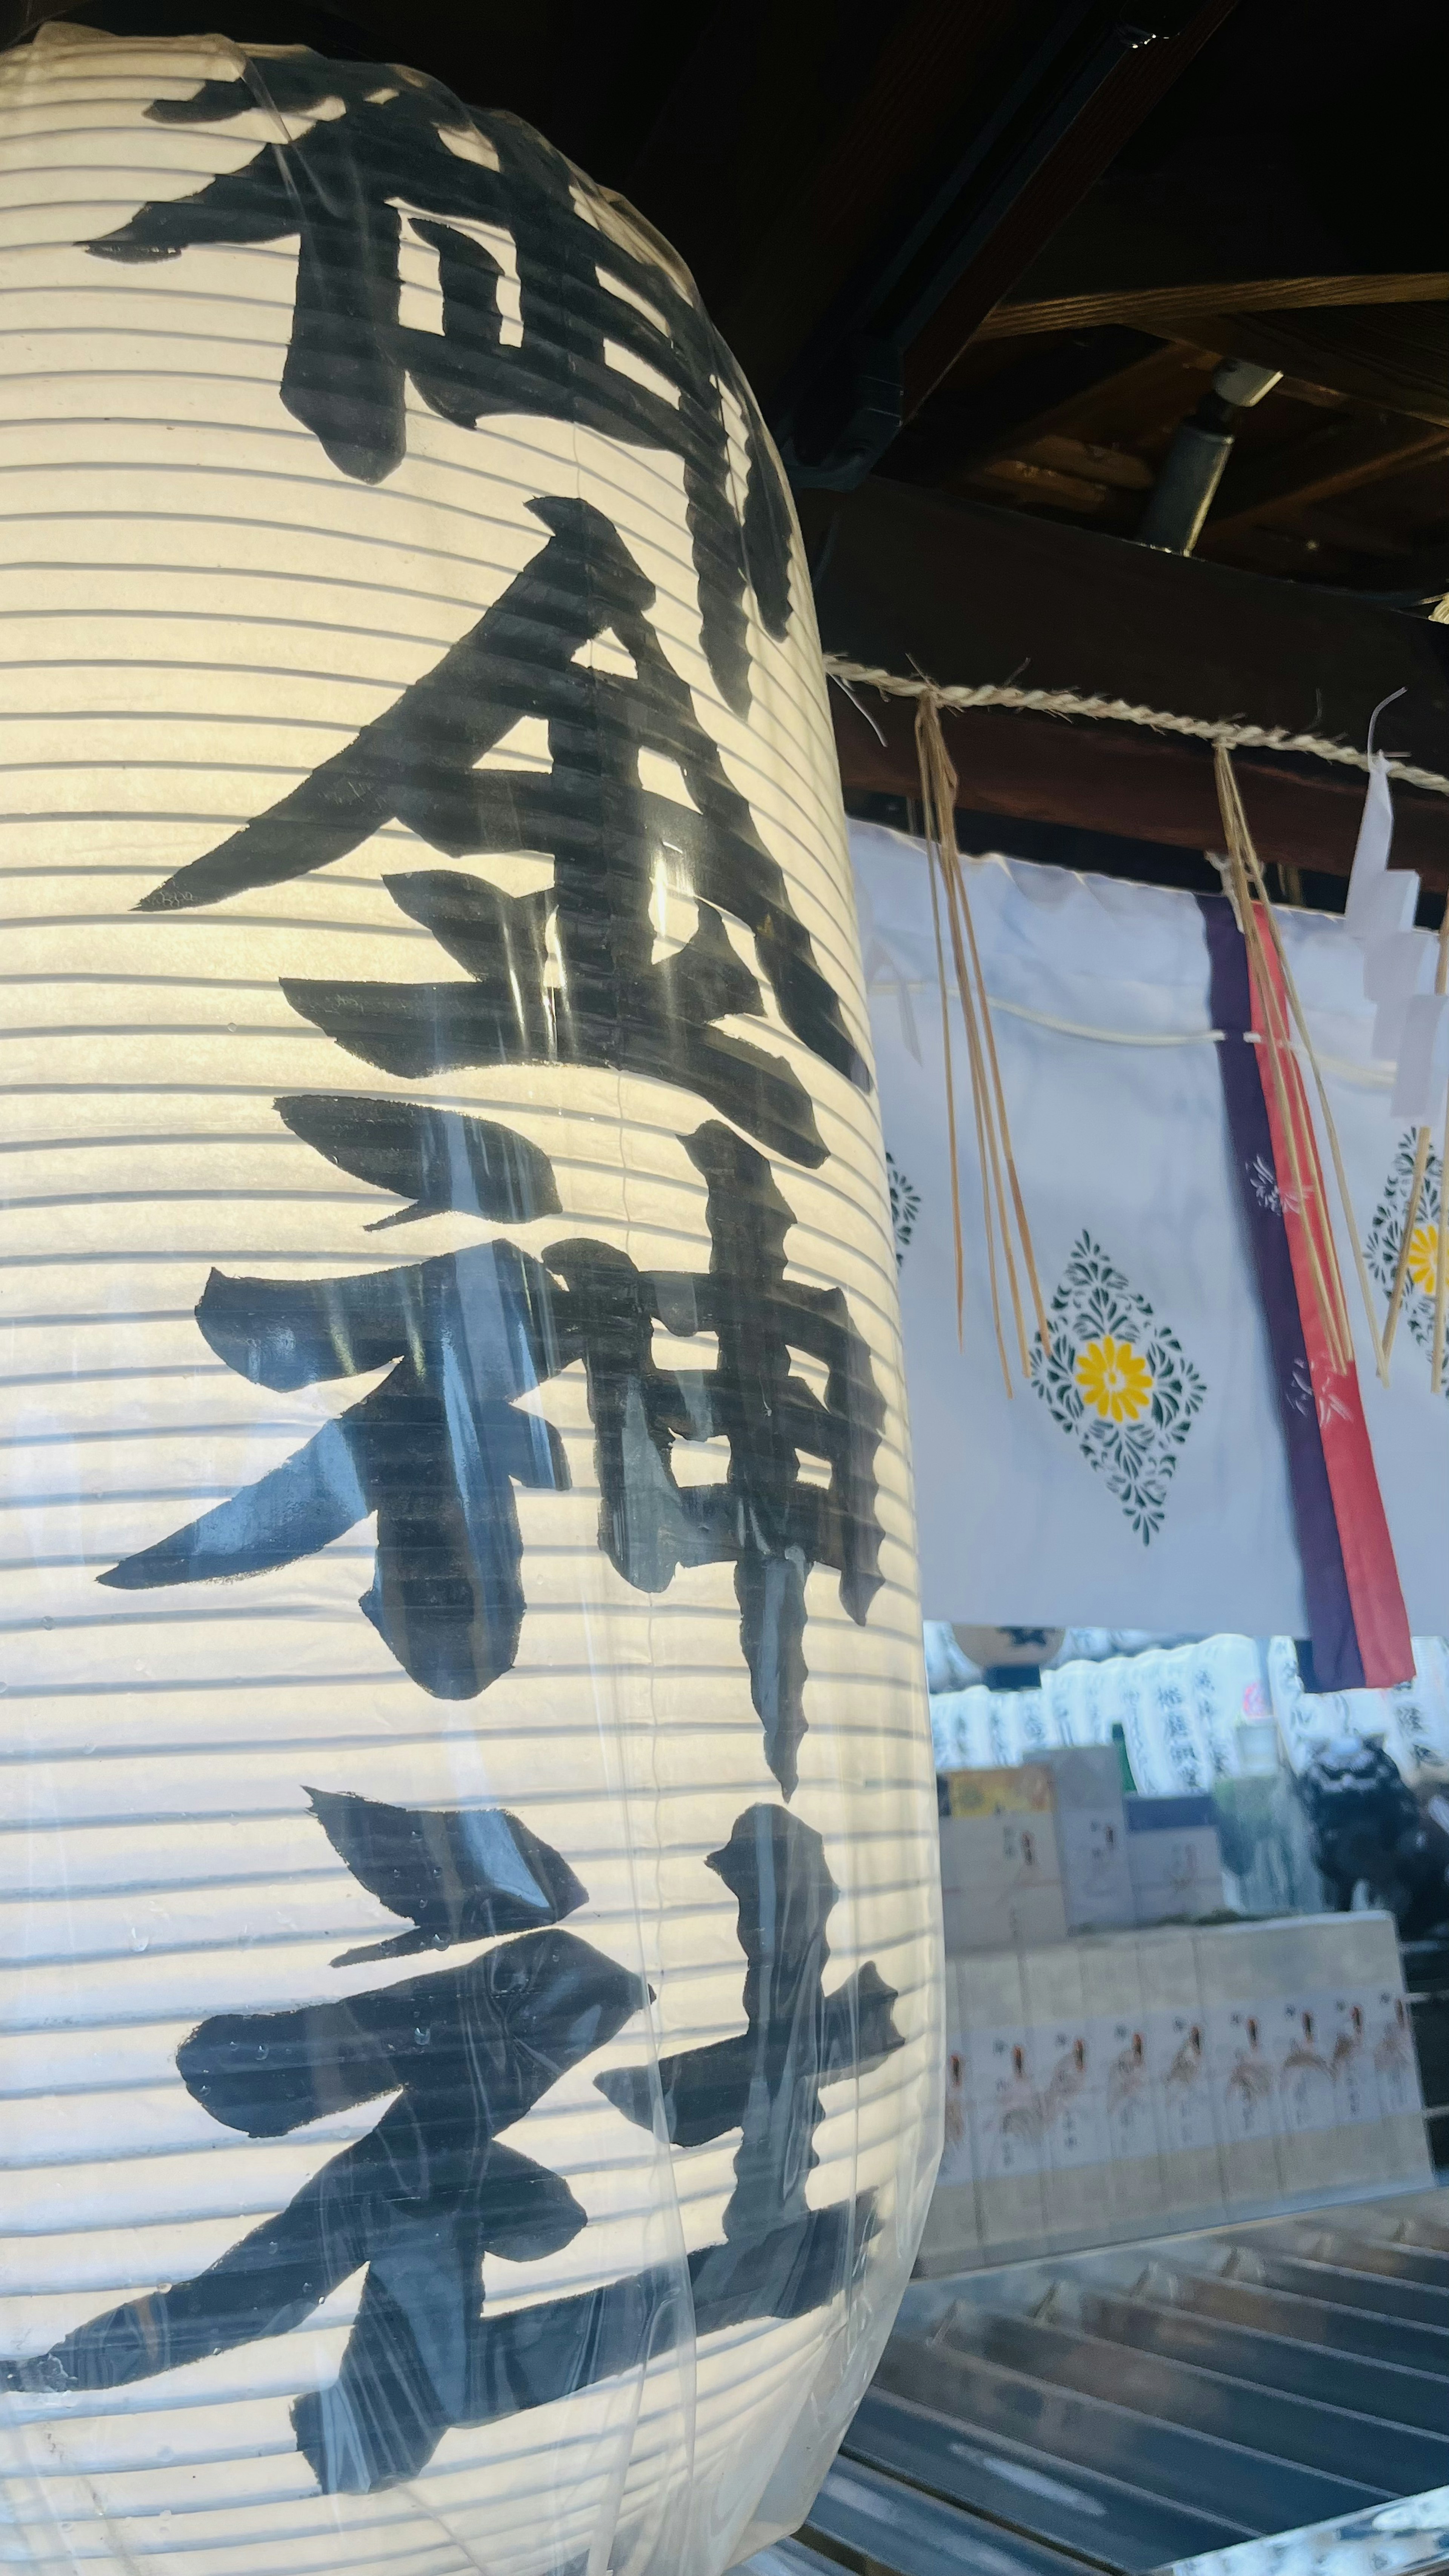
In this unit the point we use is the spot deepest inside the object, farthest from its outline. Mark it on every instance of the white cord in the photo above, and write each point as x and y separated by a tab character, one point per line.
1375	1077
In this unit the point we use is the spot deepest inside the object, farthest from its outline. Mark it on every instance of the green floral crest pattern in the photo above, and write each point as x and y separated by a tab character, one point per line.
1387	1233
905	1206
1119	1384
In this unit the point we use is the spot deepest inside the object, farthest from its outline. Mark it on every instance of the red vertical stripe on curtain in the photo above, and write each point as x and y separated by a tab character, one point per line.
1372	1576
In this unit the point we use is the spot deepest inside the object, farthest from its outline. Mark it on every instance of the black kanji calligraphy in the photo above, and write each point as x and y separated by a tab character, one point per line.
438	1447
778	2256
766	1518
766	2083
437	1158
435	1450
610	337
566	975
422	2197
454	1873
419	2200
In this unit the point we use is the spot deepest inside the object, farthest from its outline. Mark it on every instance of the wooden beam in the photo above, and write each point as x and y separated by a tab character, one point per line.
1117	467
1148	248
1034	390
919	158
1344	457
1193	309
1425	573
1105	778
1043	484
1141	80
908	580
1397	357
1053	389
843	146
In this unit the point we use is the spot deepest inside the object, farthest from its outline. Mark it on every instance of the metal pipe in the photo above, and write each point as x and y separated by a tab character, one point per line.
1187	485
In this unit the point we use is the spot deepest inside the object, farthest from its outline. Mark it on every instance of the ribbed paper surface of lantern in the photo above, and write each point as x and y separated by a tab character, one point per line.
347	1839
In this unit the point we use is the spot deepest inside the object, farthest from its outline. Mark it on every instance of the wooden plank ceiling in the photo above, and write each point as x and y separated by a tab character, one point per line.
993	251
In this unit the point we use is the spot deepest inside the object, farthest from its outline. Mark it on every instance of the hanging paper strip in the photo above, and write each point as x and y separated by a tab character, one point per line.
1325	1583
1375	1596
1356	1615
1380	1619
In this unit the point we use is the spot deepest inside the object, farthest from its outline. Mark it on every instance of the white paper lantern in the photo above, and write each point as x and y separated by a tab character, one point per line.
459	1568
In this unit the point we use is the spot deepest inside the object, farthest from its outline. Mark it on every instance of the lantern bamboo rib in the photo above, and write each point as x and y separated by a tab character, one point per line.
1416	1185
1230	733
1000	1181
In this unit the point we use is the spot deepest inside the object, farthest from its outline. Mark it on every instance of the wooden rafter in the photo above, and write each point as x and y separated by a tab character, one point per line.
1142	78
1346	456
842	153
970	594
1116	467
893	227
1111	374
1191	308
1397	359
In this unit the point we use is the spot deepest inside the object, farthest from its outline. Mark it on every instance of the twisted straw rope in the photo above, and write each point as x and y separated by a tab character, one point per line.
1067	702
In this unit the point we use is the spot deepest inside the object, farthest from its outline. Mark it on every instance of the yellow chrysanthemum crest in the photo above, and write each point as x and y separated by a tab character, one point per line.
1114	1379
1424	1257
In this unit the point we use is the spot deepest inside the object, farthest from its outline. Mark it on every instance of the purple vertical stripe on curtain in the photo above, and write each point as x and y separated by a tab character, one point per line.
1338	1664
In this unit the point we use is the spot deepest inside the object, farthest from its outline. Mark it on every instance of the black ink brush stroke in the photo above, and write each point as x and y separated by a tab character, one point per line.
602	305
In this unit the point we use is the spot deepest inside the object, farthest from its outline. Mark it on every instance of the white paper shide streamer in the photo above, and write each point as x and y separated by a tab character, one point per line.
471	2083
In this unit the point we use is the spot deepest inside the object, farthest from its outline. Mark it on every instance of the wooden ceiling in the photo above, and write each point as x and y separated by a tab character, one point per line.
992	251
1046	219
1262	180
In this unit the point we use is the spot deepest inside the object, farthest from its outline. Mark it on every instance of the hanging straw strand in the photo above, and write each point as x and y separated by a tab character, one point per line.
985	1160
936	766
1235	821
985	1117
999	1094
1273	1046
950	1086
1002	1201
1307	1179
1316	1212
1262	982
1282	1069
1340	1174
932	827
